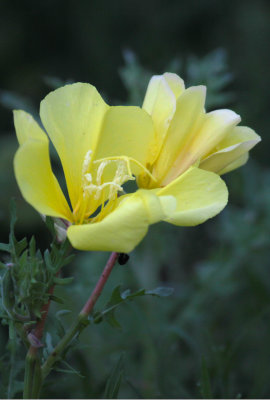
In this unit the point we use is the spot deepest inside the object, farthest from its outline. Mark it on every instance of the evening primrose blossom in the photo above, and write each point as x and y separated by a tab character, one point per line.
100	148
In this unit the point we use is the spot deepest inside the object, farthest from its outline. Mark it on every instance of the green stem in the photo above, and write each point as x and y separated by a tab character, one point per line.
37	379
82	319
79	324
28	374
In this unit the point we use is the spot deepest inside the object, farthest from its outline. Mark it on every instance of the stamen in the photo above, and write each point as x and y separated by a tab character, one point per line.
94	192
127	160
86	162
100	171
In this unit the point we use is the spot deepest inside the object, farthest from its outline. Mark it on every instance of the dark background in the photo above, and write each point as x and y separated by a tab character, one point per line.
220	271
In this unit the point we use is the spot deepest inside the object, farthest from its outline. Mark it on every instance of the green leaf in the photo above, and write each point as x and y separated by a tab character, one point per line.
56	299
205	381
160	292
13	214
20	246
127	295
114	381
32	247
54	82
7	292
60	313
48	261
115	296
70	369
5	247
50	225
111	319
16	101
67	260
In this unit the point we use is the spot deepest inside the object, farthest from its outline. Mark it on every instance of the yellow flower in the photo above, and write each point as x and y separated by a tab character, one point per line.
186	134
191	147
100	147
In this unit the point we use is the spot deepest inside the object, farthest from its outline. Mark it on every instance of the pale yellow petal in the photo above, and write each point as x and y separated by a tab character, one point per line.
239	162
176	84
214	128
234	146
36	181
73	117
125	227
160	102
129	132
158	207
200	195
120	231
185	123
27	128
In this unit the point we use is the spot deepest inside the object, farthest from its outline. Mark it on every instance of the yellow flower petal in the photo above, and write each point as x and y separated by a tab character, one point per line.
176	84
126	131
235	145
36	181
239	162
158	207
214	128
160	102
73	116
186	121
27	128
200	195
120	231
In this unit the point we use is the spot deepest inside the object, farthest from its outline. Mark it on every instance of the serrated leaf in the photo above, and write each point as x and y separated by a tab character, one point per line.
114	381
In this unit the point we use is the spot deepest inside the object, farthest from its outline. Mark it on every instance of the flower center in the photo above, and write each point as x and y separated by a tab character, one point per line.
102	181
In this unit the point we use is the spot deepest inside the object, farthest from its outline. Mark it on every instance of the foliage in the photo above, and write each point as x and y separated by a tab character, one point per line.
26	279
211	71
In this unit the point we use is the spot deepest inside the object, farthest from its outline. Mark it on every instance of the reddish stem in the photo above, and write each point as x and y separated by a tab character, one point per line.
89	305
80	322
37	332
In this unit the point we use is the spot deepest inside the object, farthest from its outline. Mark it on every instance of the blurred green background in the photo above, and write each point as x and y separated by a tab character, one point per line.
212	335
